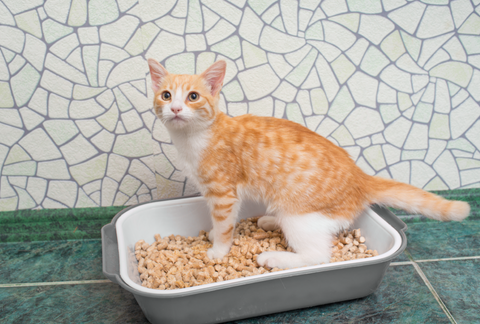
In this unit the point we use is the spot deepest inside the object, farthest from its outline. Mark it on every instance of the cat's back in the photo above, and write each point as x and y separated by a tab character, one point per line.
275	133
282	160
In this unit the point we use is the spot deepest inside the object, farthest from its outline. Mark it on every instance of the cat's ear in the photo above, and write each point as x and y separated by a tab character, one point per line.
157	73
214	76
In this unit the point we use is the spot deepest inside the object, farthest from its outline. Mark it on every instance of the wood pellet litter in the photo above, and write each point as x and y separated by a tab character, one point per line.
175	261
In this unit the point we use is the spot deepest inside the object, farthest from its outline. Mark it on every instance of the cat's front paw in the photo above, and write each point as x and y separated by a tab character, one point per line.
218	252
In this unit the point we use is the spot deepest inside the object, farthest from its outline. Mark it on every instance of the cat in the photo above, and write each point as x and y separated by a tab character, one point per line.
312	186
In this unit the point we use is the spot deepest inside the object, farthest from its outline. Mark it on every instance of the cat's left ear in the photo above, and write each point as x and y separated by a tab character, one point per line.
214	76
157	73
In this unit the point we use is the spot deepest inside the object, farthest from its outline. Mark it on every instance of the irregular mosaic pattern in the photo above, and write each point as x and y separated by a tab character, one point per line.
396	83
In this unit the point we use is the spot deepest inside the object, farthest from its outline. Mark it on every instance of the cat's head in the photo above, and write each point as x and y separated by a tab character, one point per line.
186	101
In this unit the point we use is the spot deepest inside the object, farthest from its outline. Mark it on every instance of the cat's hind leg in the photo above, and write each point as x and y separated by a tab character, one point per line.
268	223
309	235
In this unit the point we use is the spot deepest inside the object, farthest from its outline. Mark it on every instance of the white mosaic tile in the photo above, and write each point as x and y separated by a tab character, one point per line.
56	169
374	156
342	105
391	153
436	20
103	141
446	168
63	191
109	188
275	41
417	138
172	24
364	121
39	146
397	79
363	88
88	127
396	133
300	72
421	174
6	189
327	78
78	13
455	50
294	114
11	117
19	181
401	171
408	17
338	35
362	163
135	144
58	106
16	154
334	7
89	35
460	11
90	170
250	26
10	135
102	12
326	127
463	117
364	142
29	22
37	188
375	28
264	81
78	150
5	16
374	61
278	24
430	46
83	201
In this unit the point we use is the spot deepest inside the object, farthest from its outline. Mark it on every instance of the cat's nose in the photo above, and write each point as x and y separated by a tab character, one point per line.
176	110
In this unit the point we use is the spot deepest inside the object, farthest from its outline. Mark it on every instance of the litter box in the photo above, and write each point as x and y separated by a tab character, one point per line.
244	297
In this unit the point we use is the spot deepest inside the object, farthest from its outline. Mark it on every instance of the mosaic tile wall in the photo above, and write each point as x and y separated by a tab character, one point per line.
394	82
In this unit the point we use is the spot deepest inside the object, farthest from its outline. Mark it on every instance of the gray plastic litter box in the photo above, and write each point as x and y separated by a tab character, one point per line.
243	297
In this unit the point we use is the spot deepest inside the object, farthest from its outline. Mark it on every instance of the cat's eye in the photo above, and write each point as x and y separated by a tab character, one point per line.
193	96
166	95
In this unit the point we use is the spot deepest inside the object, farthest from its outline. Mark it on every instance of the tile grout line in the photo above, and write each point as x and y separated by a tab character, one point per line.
433	260
392	264
432	290
449	259
54	283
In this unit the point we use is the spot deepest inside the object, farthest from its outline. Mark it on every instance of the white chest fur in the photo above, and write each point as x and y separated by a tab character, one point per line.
190	147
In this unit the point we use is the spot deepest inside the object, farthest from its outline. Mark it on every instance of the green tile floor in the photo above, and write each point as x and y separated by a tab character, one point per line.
51	272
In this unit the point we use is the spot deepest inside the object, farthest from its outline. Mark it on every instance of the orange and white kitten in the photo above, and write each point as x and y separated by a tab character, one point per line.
312	186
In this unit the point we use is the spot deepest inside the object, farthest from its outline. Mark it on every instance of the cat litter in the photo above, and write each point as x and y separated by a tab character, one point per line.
177	262
248	295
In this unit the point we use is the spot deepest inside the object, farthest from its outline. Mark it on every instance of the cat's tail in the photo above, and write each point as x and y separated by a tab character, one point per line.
414	200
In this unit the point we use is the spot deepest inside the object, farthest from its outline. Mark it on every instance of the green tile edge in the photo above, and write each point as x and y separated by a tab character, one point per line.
29	225
85	223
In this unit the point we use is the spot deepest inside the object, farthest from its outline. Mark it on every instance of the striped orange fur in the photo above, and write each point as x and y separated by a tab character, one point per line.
312	186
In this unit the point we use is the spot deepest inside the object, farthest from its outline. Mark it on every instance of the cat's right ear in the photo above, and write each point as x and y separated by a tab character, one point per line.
157	73
214	76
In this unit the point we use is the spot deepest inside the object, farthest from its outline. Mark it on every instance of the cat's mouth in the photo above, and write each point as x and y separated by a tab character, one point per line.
177	117
177	120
